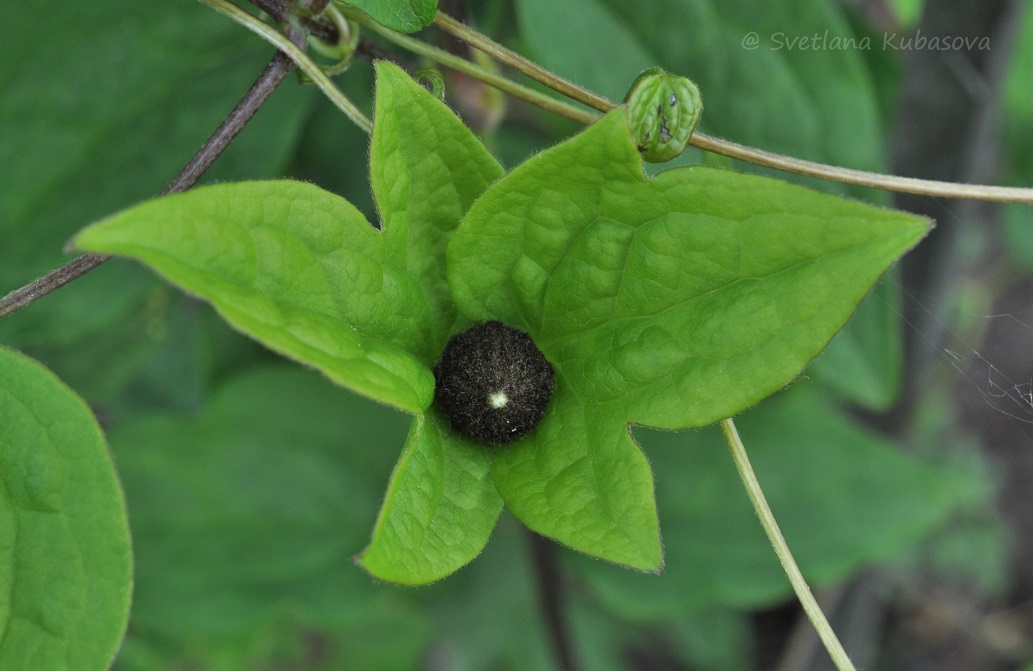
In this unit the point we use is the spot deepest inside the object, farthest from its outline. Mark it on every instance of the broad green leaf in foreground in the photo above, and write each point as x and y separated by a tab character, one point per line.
296	268
65	559
426	168
303	272
832	103
440	505
670	302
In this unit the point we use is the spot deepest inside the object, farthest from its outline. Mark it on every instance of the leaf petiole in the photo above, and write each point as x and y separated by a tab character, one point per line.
778	542
520	64
460	64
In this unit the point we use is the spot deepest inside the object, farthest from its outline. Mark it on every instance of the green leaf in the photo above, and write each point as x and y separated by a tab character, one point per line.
836	490
669	302
406	16
65	559
248	515
439	509
303	272
296	268
581	479
426	169
687	297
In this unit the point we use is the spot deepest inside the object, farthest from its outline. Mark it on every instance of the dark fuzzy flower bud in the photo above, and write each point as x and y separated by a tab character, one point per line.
493	383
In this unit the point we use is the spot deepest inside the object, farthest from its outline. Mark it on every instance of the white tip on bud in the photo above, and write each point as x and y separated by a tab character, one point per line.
498	399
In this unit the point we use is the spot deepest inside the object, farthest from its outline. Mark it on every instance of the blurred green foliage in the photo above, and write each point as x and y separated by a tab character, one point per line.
251	483
1018	138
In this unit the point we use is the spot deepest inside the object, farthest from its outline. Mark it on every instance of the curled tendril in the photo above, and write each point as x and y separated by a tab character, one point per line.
431	79
340	52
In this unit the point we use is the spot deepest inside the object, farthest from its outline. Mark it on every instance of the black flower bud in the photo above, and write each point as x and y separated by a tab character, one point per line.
493	383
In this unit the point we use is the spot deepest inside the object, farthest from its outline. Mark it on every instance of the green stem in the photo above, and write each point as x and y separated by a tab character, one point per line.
922	187
767	520
459	64
520	64
731	149
306	64
272	76
575	92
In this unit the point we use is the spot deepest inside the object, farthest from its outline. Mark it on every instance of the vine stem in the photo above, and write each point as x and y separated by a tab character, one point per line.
767	520
296	54
550	596
482	42
271	77
725	147
52	281
460	64
921	187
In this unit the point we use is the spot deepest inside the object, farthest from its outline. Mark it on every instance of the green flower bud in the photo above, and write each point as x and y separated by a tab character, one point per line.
663	111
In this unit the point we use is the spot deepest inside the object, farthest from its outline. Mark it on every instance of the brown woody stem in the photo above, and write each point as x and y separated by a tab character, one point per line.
272	76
